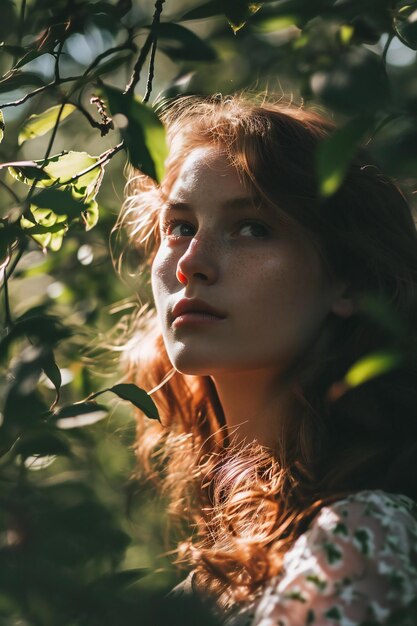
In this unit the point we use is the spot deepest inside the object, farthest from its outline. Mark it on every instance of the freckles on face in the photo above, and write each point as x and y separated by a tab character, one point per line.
264	279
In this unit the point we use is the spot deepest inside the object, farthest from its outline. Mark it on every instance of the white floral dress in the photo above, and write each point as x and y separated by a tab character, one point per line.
355	566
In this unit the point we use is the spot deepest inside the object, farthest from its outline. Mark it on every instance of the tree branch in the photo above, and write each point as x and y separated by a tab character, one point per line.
103	127
135	78
31	94
151	72
69	79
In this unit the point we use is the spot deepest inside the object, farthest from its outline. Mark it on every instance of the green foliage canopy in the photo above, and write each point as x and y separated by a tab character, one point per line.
74	106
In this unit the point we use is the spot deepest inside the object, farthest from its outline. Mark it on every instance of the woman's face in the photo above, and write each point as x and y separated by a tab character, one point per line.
235	288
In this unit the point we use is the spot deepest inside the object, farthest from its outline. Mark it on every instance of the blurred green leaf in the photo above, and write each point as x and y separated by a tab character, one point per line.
144	134
181	44
138	397
79	415
239	11
354	83
19	79
106	67
11	49
405	24
336	151
371	366
41	442
39	124
207	9
47	329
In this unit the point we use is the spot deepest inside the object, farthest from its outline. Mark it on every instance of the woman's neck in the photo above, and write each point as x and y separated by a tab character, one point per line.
253	403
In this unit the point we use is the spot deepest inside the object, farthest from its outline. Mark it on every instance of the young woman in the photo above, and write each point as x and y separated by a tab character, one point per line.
299	488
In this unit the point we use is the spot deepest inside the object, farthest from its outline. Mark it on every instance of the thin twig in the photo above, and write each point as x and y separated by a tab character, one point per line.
103	127
31	94
151	72
155	24
68	79
57	58
135	78
55	129
150	43
8	314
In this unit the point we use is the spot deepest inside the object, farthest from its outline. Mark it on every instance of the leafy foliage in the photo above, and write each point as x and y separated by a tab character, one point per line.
70	106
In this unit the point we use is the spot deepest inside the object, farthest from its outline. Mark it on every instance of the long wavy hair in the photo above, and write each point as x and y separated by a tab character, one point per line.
248	504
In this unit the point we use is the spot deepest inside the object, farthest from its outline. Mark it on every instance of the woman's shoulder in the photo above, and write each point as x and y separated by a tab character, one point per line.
356	564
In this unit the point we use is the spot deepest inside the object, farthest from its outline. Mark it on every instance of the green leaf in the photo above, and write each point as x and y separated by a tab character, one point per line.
181	44
19	79
49	230
63	169
405	25
79	415
371	366
47	329
66	197
9	235
335	153
61	200
1	126
138	397
12	50
39	443
239	11
38	125
144	134
208	9
53	372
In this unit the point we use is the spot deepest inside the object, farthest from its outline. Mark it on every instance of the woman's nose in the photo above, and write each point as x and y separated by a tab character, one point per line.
199	262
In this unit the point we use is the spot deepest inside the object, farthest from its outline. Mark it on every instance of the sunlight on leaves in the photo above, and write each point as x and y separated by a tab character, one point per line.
144	134
371	366
38	125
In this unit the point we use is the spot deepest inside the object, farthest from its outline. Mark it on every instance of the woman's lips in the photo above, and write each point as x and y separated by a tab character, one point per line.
196	318
195	311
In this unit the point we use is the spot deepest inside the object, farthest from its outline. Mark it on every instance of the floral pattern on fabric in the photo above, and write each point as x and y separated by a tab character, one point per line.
355	566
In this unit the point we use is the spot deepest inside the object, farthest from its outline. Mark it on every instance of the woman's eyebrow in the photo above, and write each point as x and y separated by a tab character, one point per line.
236	203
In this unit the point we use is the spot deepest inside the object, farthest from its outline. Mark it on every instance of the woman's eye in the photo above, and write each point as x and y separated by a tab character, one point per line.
253	229
176	228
